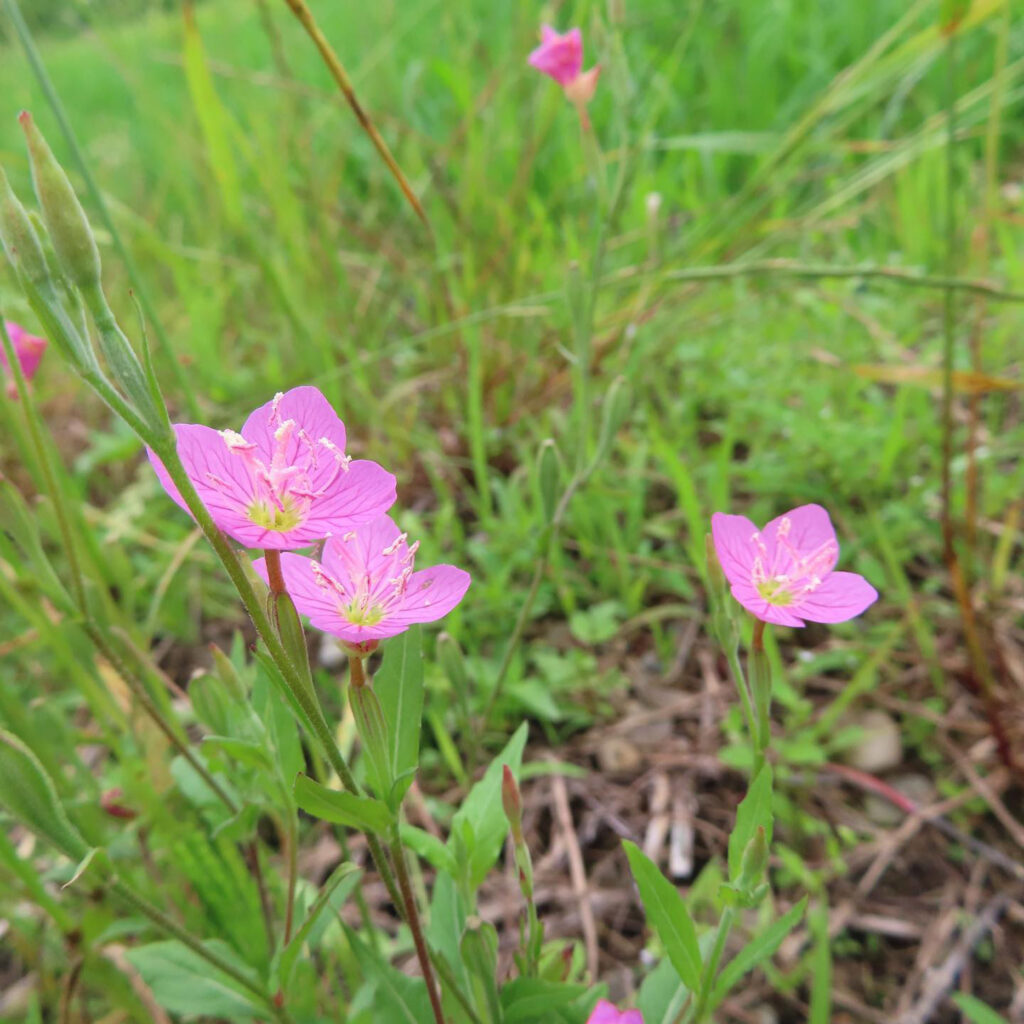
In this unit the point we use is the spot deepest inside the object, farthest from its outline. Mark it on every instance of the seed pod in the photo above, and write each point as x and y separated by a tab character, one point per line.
65	219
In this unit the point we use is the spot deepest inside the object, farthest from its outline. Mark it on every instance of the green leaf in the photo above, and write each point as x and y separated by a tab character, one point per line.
361	812
244	751
29	794
397	998
429	847
183	982
755	810
533	1000
976	1011
399	687
482	812
758	949
373	734
348	874
662	995
667	915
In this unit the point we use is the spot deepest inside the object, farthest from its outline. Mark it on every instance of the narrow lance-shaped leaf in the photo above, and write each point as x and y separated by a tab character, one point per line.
399	688
341	808
667	915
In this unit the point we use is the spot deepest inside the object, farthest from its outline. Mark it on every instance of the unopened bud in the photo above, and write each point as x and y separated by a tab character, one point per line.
549	471
512	802
614	411
582	88
110	801
20	241
453	662
717	584
65	219
754	861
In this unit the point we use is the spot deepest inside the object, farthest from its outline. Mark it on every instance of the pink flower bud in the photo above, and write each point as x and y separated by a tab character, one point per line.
561	58
512	802
27	347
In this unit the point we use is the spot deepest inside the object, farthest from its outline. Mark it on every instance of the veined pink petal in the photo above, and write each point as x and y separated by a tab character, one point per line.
218	477
311	412
805	529
842	596
320	604
732	537
559	56
365	587
432	594
362	492
781	615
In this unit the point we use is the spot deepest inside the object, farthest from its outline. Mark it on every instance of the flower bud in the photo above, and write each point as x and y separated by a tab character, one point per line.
110	801
754	861
614	411
65	219
549	470
582	88
20	242
512	802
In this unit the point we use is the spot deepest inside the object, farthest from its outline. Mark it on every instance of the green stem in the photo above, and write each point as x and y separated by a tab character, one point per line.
732	656
761	684
412	916
711	967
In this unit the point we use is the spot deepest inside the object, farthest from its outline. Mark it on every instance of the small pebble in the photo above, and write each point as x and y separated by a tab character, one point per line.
879	748
617	756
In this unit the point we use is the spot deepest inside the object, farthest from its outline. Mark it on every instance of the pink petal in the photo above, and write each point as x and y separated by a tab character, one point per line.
748	596
28	348
842	596
736	552
604	1013
361	552
360	494
432	593
632	1017
809	530
319	604
560	56
219	478
311	412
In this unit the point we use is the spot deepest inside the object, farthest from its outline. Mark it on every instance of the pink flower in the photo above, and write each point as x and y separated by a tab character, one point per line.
365	588
606	1013
561	57
285	480
27	347
783	573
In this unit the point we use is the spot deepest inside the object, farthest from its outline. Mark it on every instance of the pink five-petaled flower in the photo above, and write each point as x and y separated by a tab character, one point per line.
561	57
285	480
365	589
606	1013
783	573
28	349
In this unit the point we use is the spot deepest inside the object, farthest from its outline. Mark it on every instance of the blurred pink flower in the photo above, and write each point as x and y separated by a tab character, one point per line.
27	347
364	588
783	573
561	57
285	480
606	1013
